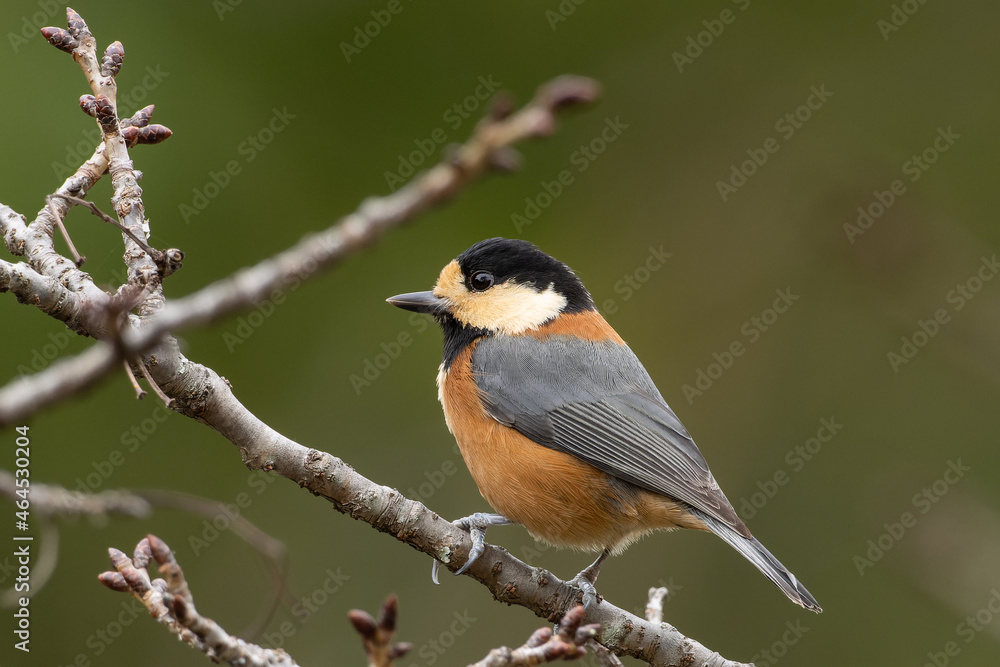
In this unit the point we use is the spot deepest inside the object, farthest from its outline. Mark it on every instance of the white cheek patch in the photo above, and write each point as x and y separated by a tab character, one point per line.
510	308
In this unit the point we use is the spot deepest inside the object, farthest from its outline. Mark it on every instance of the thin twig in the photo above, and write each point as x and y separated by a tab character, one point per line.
272	550
167	401
53	500
166	261
171	602
200	392
140	393
567	643
78	259
312	255
76	201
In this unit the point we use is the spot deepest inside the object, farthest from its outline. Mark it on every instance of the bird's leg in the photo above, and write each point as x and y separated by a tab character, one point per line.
585	580
476	524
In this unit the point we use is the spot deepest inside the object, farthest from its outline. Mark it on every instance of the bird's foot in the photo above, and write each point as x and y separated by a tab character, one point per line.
585	580
476	524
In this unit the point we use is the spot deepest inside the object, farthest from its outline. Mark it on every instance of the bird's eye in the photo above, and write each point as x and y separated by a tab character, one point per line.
481	280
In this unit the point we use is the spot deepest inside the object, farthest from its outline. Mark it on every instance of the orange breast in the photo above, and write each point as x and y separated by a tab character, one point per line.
557	497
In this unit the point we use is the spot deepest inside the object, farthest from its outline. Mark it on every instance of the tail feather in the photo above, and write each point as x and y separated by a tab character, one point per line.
756	553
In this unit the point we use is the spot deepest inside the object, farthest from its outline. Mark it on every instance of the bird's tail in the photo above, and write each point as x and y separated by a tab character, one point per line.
756	553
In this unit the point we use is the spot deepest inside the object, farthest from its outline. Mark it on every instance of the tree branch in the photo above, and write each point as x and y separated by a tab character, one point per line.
199	392
568	642
170	602
489	145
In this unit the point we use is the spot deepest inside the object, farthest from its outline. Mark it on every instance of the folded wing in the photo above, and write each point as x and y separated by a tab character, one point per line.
595	401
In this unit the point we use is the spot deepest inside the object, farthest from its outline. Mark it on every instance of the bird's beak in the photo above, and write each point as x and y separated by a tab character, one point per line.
419	302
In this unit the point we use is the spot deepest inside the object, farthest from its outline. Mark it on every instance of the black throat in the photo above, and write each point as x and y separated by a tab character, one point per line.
457	337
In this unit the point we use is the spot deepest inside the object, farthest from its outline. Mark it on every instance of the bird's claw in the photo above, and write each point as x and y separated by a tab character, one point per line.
588	590
585	580
476	524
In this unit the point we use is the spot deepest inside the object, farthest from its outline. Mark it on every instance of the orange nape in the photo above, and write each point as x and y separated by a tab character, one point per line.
585	325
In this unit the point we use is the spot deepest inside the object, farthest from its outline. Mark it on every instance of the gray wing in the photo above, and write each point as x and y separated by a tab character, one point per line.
595	401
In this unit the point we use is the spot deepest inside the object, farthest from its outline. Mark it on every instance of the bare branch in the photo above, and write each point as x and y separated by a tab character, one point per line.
654	608
603	655
544	645
140	393
52	500
199	392
166	261
312	255
171	603
47	294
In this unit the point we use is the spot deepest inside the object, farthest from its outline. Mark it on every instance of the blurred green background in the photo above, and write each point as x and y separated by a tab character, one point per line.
694	92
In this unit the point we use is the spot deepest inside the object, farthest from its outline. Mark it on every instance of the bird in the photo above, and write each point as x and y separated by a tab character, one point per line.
559	423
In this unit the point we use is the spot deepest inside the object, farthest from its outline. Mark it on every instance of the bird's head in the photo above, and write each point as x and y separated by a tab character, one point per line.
500	286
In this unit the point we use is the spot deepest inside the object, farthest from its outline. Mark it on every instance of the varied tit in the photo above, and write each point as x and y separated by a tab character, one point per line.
559	423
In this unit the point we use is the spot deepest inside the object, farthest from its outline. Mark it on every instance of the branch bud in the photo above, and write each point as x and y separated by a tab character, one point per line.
59	38
89	105
114	581
142	117
387	615
151	134
362	622
142	554
118	558
106	115
77	26
159	549
568	90
113	58
399	650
